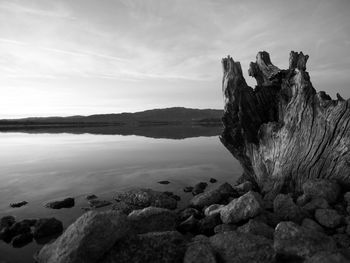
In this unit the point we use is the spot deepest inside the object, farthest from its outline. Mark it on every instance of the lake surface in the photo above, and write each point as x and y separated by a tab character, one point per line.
47	166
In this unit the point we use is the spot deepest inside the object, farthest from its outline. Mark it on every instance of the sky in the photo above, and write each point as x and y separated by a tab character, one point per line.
81	57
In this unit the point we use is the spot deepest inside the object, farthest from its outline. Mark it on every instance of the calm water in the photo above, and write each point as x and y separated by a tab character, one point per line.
41	167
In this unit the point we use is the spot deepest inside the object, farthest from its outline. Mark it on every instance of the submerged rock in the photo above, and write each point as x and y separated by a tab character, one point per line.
90	197
199	188
147	197
22	239
243	208
163	182
87	239
13	230
46	227
152	219
234	247
212	180
18	204
65	203
155	247
292	240
213	196
188	189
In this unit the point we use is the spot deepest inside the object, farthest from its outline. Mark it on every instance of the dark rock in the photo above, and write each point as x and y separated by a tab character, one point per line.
29	222
286	209
269	218
16	229
244	187
328	257
85	209
207	224
22	239
147	197
213	196
328	217
257	227
341	230
7	221
155	247
45	227
213	209
311	224
326	189
199	251
342	240
172	195
189	225
316	203
224	228
302	200
96	203
87	239
243	208
187	212
234	247
199	188
65	203
90	197
163	182
19	204
152	219
188	189
213	180
292	240
124	207
347	198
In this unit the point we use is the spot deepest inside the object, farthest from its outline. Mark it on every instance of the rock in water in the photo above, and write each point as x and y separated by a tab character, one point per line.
19	204
283	132
243	208
87	239
147	197
45	227
65	203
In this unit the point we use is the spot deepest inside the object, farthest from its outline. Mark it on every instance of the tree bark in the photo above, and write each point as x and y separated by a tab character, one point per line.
283	132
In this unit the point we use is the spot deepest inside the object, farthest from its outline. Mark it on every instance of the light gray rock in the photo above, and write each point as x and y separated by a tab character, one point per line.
87	239
213	209
245	207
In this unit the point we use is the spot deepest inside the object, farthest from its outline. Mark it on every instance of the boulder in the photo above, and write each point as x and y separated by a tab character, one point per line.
187	212
292	240
199	188
96	203
213	196
235	247
46	227
311	224
65	203
224	228
213	209
152	219
189	225
315	203
16	229
243	208
329	190
147	197
244	187
87	239
7	221
207	224
342	240
256	227
22	239
155	247
328	257
199	251
347	198
328	218
286	209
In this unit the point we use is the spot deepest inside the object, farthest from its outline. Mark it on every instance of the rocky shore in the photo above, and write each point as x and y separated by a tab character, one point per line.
225	224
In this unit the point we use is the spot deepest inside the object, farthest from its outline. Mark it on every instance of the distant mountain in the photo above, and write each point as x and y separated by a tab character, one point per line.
176	115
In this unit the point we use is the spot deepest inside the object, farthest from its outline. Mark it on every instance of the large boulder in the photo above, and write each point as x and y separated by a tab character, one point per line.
199	251
87	239
257	227
328	217
155	247
152	219
45	227
18	228
65	203
243	208
292	240
326	189
213	196
235	247
147	197
286	209
328	257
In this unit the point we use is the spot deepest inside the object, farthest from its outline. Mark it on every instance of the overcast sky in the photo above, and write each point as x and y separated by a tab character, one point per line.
65	57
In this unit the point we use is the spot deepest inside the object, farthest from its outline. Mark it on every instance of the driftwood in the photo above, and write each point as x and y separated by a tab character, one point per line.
283	132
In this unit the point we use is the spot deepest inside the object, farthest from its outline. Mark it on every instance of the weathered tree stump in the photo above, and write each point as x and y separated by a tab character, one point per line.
283	132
